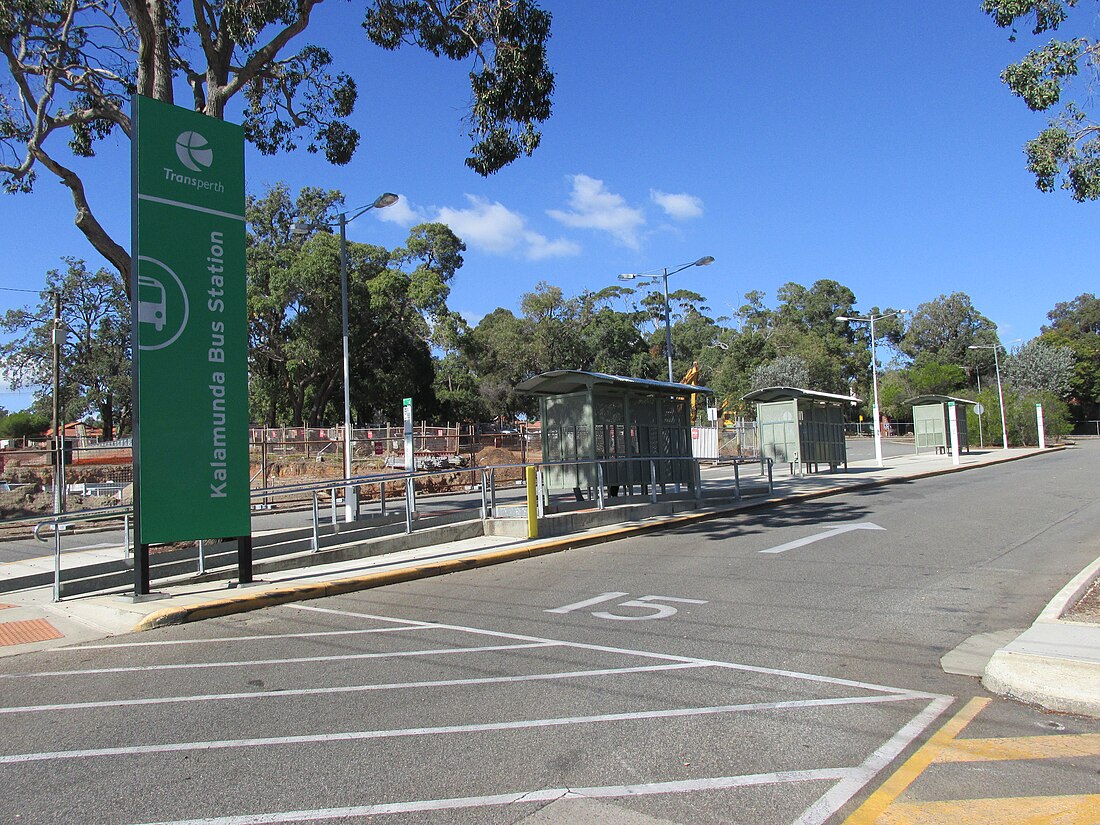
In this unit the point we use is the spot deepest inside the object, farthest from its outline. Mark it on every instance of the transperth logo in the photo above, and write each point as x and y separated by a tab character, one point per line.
194	151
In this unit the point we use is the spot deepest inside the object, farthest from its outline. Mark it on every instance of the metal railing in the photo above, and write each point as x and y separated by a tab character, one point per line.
404	484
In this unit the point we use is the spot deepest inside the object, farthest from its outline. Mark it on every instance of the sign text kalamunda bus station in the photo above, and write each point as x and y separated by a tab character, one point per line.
190	331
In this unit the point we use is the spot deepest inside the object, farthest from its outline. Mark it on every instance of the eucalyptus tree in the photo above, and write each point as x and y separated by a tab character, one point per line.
94	364
73	65
1068	150
1076	324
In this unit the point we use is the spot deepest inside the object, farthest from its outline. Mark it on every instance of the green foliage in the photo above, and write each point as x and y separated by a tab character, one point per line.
941	330
785	371
1069	149
1039	367
395	299
512	83
74	65
932	378
95	355
1076	324
22	424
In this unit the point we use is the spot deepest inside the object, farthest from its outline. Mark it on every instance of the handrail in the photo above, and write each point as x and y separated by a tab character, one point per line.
487	476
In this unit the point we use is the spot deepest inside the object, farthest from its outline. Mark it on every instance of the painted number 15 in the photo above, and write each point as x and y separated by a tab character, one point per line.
651	604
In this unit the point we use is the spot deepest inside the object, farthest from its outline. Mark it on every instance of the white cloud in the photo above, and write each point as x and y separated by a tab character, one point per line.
594	207
493	227
401	213
681	206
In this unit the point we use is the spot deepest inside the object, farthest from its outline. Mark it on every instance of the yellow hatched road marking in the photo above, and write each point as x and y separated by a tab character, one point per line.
1022	747
876	804
1022	810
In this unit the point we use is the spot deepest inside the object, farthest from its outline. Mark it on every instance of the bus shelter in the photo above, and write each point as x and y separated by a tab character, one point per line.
638	430
801	428
932	422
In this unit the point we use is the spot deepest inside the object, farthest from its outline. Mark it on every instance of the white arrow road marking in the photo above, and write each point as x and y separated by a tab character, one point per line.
829	533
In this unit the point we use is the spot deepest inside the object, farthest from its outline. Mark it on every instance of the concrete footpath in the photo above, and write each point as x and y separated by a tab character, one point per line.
1055	663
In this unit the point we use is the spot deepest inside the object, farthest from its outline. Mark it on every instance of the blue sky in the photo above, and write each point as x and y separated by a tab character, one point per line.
872	143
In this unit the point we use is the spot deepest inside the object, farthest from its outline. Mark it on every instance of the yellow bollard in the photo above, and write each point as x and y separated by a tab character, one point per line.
532	504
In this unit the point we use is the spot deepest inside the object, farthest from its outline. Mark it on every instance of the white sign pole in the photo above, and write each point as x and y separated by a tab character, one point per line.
1039	425
954	425
410	458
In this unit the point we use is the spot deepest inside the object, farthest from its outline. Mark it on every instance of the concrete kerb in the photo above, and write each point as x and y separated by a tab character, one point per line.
1066	680
183	614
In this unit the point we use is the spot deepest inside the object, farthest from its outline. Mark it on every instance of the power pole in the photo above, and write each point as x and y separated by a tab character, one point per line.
58	436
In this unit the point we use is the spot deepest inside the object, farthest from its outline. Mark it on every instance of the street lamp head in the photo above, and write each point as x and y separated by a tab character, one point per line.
843	318
299	229
706	260
627	276
384	200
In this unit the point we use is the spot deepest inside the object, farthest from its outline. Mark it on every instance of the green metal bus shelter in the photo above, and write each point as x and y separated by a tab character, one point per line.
637	429
801	428
932	422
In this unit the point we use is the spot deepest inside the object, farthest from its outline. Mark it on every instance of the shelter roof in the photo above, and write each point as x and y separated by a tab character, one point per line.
917	400
788	393
562	382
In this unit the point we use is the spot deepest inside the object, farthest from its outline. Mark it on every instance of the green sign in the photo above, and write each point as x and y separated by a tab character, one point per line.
190	325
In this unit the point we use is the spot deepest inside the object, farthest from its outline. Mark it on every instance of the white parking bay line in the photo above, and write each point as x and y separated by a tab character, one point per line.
279	694
260	662
626	651
481	727
222	639
716	783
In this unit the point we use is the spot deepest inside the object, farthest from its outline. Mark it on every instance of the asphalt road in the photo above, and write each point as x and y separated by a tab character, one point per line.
728	672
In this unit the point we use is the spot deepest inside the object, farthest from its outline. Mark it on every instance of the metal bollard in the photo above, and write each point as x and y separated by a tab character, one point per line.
771	486
316	524
484	496
493	490
382	496
601	504
652	481
531	478
202	556
56	562
540	487
335	523
736	482
698	482
126	535
408	504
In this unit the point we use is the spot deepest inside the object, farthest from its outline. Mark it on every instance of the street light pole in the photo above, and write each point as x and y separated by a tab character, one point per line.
668	327
351	494
706	260
876	422
1000	390
56	338
1001	399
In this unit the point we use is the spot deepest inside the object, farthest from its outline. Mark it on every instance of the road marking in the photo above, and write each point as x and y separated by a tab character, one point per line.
1032	810
479	727
658	611
870	811
277	694
223	639
837	797
1022	747
538	796
626	651
261	662
829	533
603	597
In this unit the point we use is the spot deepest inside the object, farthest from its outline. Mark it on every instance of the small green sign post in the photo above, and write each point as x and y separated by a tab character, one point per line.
187	287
